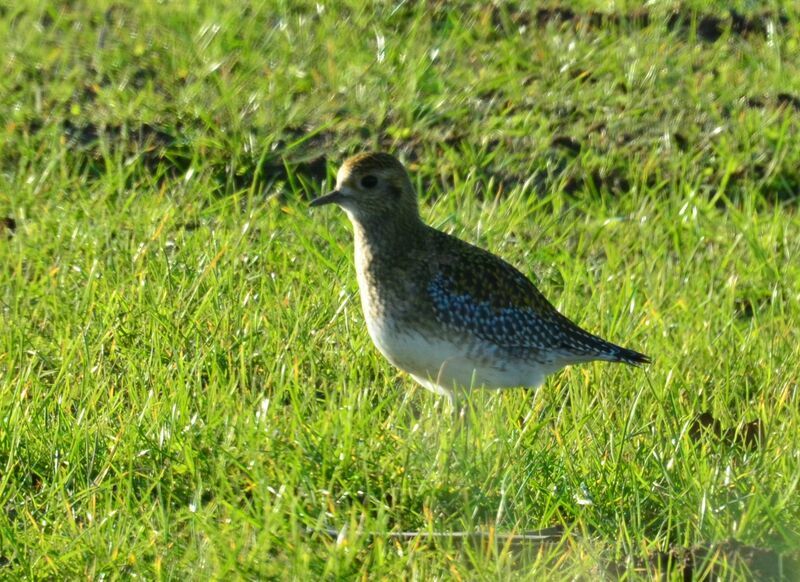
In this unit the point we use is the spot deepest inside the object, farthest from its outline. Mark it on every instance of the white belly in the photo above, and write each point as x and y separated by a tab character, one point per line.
442	366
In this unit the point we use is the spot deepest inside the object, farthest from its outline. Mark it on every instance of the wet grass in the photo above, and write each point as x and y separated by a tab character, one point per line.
186	384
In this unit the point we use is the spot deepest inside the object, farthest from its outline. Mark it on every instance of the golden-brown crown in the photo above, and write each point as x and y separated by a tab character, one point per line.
373	161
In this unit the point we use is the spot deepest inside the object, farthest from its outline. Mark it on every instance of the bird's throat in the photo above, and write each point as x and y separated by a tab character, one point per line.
385	238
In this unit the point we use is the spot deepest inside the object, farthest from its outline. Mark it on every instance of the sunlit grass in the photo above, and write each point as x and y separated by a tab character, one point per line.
187	387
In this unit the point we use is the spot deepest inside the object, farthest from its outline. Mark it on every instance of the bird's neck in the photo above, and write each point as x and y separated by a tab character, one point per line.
387	236
385	248
384	253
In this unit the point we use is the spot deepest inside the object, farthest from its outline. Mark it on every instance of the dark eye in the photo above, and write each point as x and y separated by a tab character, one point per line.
369	181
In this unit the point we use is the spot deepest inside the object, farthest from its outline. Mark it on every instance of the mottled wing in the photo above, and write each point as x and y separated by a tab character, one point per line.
482	295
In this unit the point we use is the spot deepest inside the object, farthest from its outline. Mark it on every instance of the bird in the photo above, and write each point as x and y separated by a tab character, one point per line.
452	315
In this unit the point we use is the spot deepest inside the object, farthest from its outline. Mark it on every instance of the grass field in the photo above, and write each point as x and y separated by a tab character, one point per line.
187	388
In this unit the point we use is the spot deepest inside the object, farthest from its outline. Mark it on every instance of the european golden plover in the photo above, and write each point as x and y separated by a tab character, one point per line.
452	315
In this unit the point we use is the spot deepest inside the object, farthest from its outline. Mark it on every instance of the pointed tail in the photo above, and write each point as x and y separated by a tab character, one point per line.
626	356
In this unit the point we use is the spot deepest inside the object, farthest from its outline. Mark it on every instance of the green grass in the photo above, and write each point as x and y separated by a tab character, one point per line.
187	388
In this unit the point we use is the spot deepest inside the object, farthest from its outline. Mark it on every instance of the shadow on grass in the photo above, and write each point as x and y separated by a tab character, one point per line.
700	562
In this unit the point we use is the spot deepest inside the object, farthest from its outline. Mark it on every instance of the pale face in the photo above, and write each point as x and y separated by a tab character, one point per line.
373	187
366	192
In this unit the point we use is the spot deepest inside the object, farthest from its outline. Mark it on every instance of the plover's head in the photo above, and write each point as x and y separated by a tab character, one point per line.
373	186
